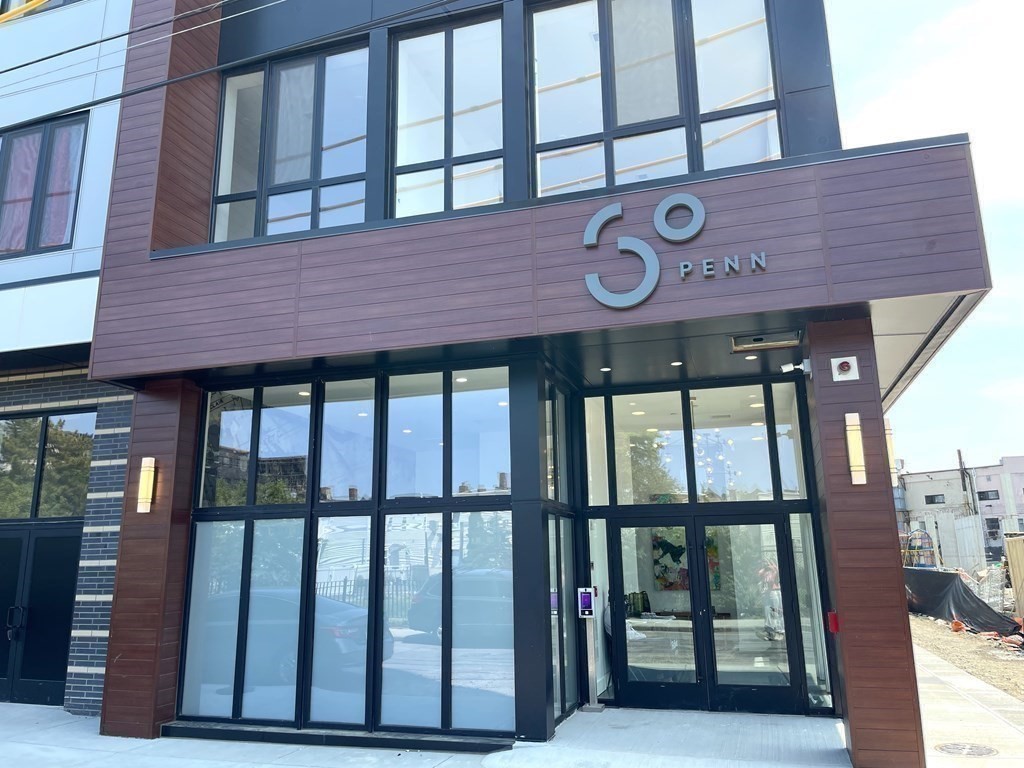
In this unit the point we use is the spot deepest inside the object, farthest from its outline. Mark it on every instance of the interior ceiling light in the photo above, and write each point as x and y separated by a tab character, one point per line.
502	403
303	393
406	431
676	364
362	413
461	380
652	429
750	357
757	405
757	424
639	413
606	370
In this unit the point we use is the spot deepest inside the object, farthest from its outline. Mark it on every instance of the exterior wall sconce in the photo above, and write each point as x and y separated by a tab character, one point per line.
855	450
147	484
893	472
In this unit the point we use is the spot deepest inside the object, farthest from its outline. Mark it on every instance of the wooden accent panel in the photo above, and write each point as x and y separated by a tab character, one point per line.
140	690
837	233
880	702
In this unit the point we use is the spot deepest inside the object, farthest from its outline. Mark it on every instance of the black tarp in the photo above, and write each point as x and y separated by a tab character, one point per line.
943	595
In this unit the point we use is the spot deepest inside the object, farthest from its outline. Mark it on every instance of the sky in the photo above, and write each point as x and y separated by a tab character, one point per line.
911	69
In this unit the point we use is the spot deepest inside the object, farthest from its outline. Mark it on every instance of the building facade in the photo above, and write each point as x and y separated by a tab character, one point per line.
435	312
63	438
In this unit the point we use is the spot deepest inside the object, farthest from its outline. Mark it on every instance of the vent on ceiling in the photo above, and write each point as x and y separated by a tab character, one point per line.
766	341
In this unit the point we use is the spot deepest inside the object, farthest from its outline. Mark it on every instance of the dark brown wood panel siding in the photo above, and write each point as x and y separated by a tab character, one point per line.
879	695
140	690
835	233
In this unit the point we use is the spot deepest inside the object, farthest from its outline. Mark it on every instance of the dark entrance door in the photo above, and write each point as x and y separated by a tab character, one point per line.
38	573
704	614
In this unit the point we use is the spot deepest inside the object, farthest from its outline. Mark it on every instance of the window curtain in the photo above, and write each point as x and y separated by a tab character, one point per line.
61	186
16	203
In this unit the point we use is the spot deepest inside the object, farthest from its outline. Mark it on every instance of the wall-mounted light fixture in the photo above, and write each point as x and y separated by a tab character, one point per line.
855	450
147	484
894	475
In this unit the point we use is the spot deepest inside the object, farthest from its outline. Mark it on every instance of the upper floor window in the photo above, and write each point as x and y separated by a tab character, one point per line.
988	495
448	130
12	5
307	168
938	498
40	170
617	100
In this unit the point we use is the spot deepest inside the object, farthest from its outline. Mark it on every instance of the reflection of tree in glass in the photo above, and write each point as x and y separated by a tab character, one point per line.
485	540
19	450
650	478
65	471
279	553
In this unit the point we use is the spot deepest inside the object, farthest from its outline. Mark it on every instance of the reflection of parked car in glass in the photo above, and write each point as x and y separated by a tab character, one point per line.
339	631
482	604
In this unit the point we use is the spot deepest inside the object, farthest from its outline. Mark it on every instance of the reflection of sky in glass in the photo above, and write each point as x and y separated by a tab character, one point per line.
81	423
730	444
346	469
421	99
344	124
415	434
733	65
476	88
480	431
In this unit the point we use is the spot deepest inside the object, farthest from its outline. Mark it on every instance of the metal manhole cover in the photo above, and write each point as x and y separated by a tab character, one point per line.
966	750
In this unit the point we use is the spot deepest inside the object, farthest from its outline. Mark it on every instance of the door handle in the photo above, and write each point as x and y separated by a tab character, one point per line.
14	625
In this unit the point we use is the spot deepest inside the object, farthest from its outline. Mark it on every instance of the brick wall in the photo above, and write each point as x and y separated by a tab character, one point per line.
100	533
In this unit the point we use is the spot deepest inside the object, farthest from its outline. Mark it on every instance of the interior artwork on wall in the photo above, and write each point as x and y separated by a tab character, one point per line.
668	546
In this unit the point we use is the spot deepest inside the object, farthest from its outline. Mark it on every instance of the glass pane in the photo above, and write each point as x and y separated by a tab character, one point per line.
209	680
476	88
226	454
556	610
343	204
746	605
549	444
282	467
561	447
650	156
19	456
597	451
602	608
240	136
289	212
293	122
646	73
344	125
343	548
415	436
413	599
568	582
234	221
481	453
420	99
61	191
730	444
476	184
66	465
18	187
650	465
570	170
483	663
812	630
787	428
51	605
741	140
421	192
733	63
567	72
346	446
272	638
658	608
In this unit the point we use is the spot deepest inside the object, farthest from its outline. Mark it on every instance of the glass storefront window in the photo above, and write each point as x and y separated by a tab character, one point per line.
600	578
741	140
209	679
415	447
569	620
597	451
483	662
650	462
19	454
644	50
481	452
340	611
788	439
733	61
227	448
240	134
730	444
346	443
413	615
556	612
65	481
281	469
811	614
344	119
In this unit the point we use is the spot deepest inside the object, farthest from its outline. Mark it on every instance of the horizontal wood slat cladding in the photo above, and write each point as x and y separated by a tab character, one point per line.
864	570
897	224
140	689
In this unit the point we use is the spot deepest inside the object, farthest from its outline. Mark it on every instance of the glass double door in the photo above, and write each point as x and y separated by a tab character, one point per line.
703	614
38	573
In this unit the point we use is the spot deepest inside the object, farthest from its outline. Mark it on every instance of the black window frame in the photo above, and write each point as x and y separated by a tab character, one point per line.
935	498
37	482
686	83
988	495
5	6
449	160
265	189
48	130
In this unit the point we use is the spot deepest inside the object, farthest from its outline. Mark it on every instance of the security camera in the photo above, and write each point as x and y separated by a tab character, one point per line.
804	366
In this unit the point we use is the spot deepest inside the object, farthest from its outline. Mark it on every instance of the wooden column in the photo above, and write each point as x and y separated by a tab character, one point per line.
141	686
878	690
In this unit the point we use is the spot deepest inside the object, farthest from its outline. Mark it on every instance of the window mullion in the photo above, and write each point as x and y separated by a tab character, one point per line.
254	447
317	142
40	462
604	25
263	167
449	101
688	85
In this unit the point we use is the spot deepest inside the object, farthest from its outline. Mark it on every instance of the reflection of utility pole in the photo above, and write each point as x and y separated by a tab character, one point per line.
967	483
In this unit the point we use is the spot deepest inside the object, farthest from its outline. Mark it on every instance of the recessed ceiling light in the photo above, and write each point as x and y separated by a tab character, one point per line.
303	393
652	429
606	370
639	413
676	364
757	438
406	431
757	424
753	397
632	403
461	380
757	405
750	357
502	403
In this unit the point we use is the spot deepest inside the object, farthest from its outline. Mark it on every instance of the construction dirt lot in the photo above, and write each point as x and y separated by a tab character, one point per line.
985	659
